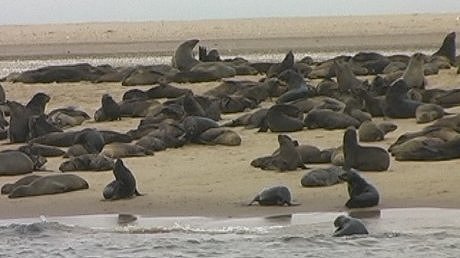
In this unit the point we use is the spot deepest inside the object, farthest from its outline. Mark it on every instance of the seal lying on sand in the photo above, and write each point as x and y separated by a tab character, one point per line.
288	158
51	184
7	188
371	132
347	226
14	162
277	195
322	177
87	162
362	194
328	119
282	118
124	185
397	104
428	112
363	157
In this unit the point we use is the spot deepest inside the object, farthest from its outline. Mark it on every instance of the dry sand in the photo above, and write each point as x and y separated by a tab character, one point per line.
218	180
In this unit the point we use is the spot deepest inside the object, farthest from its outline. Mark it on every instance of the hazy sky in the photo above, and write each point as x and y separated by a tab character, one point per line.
60	11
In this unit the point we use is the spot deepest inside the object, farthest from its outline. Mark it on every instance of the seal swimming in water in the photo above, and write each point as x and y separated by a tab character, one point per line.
51	184
277	195
362	194
363	158
124	185
347	226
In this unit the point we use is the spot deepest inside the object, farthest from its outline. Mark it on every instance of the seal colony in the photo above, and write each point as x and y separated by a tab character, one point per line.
290	96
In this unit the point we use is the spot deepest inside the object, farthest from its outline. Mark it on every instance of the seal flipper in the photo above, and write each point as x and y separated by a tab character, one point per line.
256	199
136	192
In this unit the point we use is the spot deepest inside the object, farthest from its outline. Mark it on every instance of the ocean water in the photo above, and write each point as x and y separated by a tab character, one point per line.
421	232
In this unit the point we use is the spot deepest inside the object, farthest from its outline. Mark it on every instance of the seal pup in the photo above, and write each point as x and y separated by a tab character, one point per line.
183	58
219	136
91	139
51	184
428	112
369	131
322	177
37	104
414	73
41	150
363	158
124	185
276	195
362	194
123	150
87	162
347	226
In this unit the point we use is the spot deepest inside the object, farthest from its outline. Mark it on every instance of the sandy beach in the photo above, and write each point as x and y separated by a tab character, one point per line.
218	180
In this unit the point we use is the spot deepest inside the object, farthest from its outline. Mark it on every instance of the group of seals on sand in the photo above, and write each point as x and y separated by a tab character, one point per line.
399	90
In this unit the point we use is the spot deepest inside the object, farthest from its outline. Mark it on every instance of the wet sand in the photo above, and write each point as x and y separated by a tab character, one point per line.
218	180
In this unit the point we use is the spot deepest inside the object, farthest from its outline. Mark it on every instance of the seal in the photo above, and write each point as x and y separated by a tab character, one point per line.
67	117
124	185
287	63
369	131
123	150
7	188
347	226
87	162
364	158
42	150
414	73
448	48
362	194
219	136
428	112
183	58
110	108
346	79
286	158
39	126
276	195
282	118
397	104
15	163
91	139
18	130
297	88
322	177
196	125
38	103
328	119
51	184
